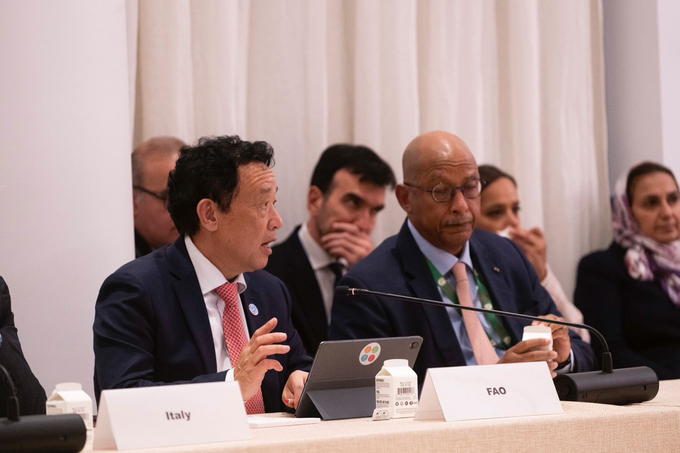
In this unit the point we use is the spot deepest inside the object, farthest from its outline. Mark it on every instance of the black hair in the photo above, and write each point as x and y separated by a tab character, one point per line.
643	169
209	169
358	160
489	174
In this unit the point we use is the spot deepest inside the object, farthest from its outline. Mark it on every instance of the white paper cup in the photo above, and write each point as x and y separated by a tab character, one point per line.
531	332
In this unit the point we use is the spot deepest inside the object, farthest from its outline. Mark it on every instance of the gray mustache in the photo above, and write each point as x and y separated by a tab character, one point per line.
457	221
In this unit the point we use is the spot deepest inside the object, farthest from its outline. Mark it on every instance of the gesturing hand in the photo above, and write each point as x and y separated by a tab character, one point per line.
253	363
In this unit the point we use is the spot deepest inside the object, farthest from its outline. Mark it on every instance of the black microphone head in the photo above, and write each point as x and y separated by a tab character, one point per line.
620	386
342	291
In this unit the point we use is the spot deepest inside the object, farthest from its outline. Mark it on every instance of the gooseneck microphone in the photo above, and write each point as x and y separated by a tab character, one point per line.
607	366
609	386
38	433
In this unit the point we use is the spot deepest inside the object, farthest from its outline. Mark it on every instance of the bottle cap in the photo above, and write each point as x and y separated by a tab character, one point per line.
395	362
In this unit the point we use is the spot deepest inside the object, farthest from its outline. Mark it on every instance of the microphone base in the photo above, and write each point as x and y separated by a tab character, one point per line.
622	386
43	433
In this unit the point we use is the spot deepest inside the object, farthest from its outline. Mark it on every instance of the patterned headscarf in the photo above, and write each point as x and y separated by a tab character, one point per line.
646	259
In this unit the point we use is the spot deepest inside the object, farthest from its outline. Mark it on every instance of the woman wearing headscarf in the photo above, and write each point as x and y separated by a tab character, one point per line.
499	213
631	291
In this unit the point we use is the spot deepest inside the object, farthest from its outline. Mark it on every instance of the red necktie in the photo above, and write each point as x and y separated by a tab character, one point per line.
235	337
484	352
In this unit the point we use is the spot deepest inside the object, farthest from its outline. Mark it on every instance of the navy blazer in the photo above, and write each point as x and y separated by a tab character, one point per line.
289	262
398	266
637	318
151	326
29	391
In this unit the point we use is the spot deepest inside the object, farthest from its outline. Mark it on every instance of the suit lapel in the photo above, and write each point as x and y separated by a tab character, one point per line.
251	306
257	313
190	299
422	284
306	286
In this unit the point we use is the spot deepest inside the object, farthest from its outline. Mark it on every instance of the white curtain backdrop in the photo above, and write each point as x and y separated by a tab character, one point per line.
520	81
65	183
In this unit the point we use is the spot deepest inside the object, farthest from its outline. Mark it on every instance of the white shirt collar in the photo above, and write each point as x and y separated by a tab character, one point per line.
209	277
317	256
441	259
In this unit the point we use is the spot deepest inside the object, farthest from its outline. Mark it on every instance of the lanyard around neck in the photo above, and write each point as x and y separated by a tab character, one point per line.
484	298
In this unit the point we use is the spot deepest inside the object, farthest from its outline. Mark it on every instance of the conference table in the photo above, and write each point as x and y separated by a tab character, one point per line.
585	427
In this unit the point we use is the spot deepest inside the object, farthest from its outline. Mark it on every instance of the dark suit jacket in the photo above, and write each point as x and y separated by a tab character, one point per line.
639	321
151	326
29	391
289	262
398	266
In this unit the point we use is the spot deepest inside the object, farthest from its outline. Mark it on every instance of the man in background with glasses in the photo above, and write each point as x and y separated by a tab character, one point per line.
152	160
438	254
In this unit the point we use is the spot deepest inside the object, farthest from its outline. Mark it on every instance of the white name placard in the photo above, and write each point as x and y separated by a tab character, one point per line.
170	415
488	391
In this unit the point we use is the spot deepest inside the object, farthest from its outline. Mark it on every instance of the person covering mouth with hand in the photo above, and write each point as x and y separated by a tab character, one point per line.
499	213
345	196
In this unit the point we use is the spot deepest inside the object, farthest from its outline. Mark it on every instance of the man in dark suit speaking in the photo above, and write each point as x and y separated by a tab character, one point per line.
433	256
199	310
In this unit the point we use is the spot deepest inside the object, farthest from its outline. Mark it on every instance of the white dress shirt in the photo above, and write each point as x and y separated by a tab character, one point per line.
209	278
320	259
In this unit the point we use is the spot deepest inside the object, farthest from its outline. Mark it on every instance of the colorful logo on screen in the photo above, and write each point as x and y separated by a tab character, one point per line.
369	353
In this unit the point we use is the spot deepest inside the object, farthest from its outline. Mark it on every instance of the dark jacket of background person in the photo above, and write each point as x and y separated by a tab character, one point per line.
289	262
639	320
30	392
